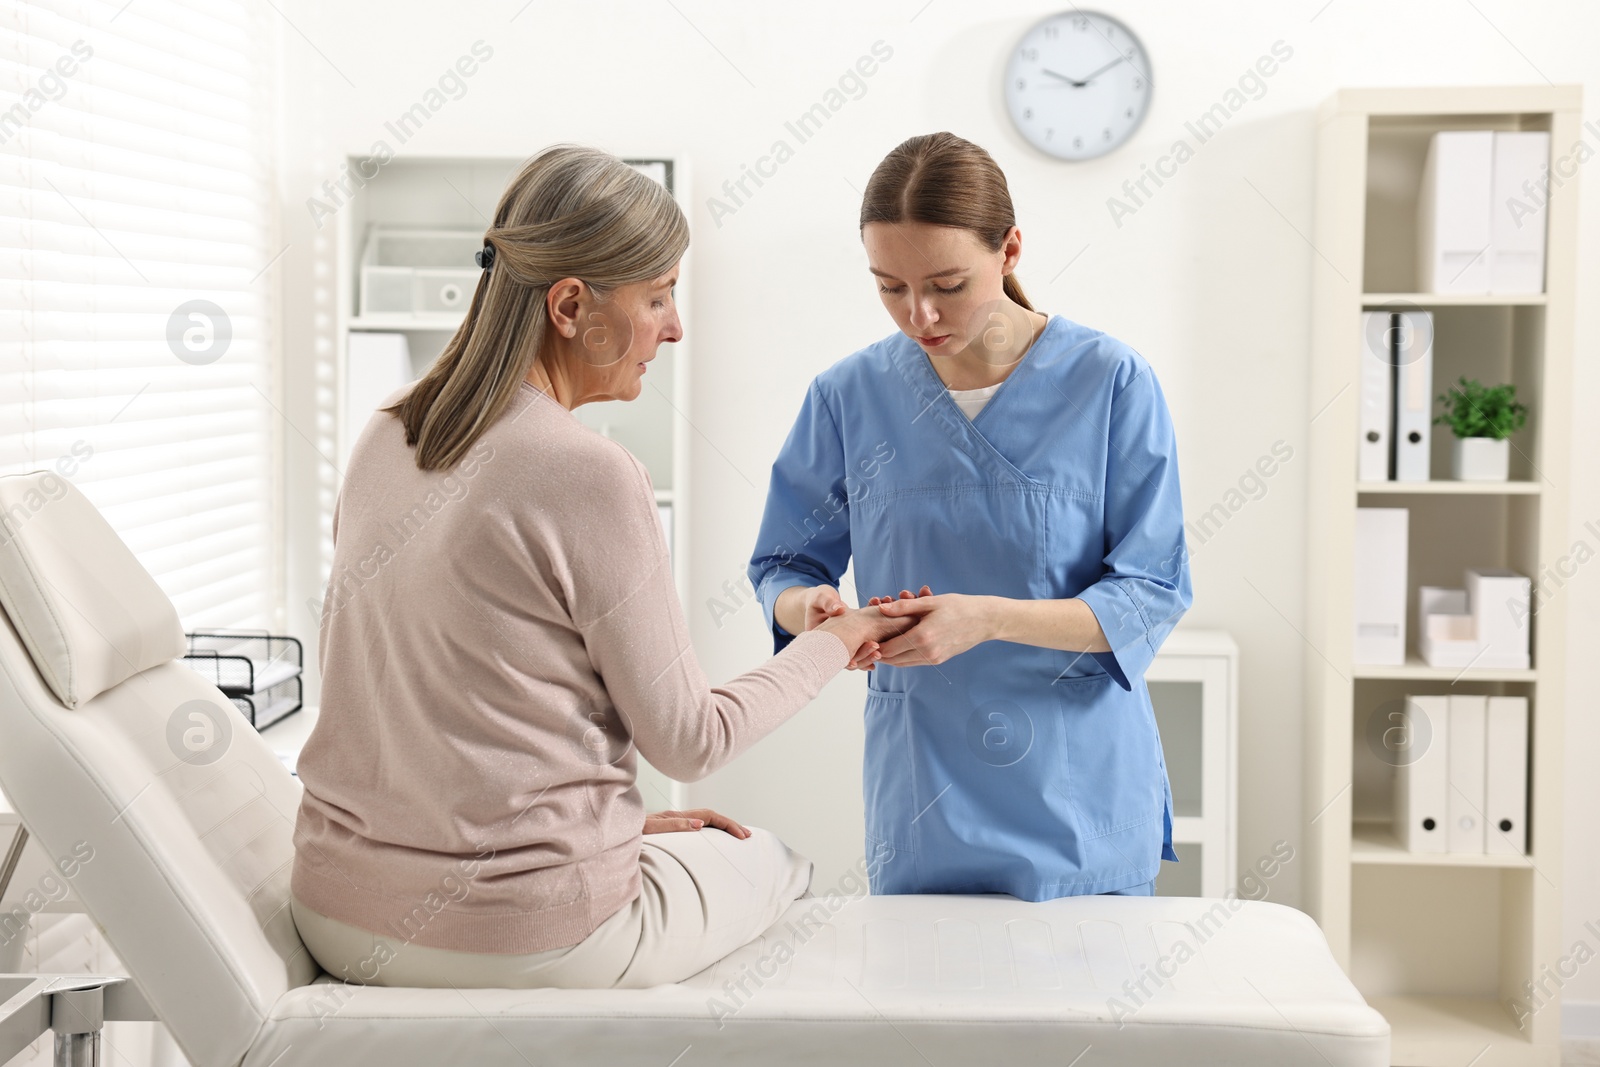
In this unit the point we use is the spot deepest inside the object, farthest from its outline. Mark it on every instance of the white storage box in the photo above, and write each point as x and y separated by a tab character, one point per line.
416	272
1483	625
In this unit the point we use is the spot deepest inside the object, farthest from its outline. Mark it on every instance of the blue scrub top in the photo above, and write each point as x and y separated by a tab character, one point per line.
1009	768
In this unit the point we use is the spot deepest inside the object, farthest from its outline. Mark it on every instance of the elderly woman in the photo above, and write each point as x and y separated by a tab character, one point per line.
501	634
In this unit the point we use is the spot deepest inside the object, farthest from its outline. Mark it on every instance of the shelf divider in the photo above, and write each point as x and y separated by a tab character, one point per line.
1453	299
1449	487
1415	669
1375	843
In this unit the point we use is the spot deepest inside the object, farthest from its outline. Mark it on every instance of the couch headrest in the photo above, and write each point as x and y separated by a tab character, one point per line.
89	613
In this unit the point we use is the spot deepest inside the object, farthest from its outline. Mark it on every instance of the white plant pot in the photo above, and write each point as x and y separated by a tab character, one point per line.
1480	459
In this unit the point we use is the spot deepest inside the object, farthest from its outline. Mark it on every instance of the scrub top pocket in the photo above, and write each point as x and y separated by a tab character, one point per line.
887	781
1110	754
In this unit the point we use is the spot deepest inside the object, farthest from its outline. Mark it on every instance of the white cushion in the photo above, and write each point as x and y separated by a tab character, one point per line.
901	981
88	613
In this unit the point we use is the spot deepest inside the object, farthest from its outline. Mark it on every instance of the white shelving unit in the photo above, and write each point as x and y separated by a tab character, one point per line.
1440	944
461	192
435	322
1194	686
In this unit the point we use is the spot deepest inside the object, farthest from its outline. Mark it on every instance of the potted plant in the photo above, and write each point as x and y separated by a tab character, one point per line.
1482	417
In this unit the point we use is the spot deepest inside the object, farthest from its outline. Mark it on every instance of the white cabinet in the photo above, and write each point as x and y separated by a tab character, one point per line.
1194	687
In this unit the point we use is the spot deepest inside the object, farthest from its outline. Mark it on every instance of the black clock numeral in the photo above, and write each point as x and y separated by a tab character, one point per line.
1108	133
1077	142
1080	23
1022	83
1052	32
1138	83
1027	112
1048	132
1030	54
1130	112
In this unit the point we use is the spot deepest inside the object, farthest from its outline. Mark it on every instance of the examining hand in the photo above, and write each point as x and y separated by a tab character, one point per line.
667	822
947	625
822	602
905	594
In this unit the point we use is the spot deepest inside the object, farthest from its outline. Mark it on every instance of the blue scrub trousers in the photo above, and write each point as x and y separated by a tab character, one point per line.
1148	889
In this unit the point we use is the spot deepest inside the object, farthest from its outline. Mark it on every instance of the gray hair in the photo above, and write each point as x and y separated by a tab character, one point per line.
570	212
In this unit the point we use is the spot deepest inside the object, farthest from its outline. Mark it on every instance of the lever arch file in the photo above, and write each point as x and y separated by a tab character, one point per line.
1380	593
1517	214
1413	395
1421	776
1453	227
1506	774
1377	388
1468	734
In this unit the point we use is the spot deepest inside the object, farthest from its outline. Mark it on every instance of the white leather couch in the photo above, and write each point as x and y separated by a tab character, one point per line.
190	852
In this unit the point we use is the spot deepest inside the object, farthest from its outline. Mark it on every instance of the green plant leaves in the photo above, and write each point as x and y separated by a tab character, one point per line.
1473	409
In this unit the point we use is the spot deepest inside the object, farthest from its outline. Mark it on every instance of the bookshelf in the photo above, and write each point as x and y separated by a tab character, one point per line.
1440	944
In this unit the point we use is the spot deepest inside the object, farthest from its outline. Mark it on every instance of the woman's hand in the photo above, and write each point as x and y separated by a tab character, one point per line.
947	625
862	630
669	822
905	594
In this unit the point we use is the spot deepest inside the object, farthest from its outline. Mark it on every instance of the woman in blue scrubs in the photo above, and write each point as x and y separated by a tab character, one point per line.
1020	471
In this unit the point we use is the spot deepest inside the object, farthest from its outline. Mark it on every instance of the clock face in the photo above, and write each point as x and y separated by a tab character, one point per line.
1078	85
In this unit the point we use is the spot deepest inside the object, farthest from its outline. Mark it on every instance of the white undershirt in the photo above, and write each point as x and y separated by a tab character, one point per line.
971	401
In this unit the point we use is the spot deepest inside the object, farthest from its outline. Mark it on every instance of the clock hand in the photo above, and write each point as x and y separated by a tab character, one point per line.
1087	79
1063	77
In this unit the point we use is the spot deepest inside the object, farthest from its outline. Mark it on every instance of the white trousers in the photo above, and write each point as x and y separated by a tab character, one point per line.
704	893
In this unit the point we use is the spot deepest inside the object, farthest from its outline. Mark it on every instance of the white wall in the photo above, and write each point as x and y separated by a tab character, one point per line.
1209	279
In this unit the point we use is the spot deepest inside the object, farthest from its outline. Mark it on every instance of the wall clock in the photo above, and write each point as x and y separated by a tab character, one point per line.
1078	85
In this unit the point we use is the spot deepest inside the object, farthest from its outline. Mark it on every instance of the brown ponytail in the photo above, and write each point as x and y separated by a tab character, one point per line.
944	180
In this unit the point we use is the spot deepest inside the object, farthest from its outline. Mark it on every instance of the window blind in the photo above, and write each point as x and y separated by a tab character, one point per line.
135	247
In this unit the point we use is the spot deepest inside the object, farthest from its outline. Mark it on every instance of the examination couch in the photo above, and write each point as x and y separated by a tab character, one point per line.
190	849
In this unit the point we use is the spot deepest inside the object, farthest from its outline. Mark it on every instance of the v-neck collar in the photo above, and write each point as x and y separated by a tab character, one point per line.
935	401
